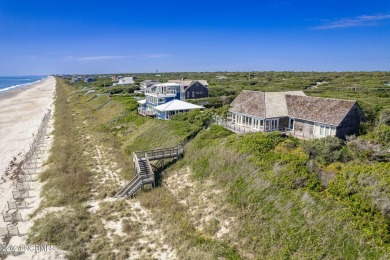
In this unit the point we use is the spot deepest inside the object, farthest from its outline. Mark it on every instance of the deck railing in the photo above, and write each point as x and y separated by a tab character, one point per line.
243	129
147	176
146	112
239	129
136	163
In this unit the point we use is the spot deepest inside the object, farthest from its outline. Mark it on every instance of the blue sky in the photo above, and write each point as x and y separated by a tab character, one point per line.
117	36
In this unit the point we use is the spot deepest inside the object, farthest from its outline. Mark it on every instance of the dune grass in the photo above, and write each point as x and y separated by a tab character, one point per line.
67	185
287	203
282	208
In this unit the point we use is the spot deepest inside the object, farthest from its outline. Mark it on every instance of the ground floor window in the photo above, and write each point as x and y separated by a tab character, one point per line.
271	124
324	130
169	114
254	123
258	124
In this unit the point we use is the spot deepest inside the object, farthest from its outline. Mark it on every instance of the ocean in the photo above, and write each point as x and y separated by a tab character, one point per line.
7	83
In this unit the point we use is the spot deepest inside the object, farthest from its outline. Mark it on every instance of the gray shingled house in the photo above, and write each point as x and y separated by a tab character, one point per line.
193	88
294	112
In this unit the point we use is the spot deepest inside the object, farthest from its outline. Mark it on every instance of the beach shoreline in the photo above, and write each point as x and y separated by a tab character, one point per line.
21	113
12	85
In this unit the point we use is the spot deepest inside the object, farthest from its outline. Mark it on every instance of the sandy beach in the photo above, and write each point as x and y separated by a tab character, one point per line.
21	113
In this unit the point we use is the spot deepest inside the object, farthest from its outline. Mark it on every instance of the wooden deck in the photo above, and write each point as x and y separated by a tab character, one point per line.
146	112
242	129
238	129
161	153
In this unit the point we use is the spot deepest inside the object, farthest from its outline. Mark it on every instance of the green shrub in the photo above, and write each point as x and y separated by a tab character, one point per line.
382	134
258	143
364	190
326	150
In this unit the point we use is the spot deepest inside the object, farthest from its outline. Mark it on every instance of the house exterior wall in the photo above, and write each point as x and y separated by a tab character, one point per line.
169	114
307	129
303	129
350	124
196	90
155	101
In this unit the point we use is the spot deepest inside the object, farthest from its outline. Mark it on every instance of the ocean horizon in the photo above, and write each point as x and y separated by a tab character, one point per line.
11	82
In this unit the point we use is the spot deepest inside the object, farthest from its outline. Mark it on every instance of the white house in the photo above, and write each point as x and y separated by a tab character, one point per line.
125	81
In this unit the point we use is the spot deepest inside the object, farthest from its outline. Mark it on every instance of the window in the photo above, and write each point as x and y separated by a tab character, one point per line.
274	124
324	130
193	94
161	100
327	130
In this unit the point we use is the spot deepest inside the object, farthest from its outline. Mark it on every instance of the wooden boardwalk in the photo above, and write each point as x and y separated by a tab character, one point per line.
144	174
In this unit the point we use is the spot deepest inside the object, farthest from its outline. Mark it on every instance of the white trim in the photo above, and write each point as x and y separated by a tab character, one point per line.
323	130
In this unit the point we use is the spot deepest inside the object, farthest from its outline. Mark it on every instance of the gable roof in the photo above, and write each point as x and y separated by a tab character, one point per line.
188	82
293	104
325	110
148	82
175	105
262	104
125	81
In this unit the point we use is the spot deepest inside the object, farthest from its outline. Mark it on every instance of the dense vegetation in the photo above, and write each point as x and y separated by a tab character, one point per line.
292	196
284	197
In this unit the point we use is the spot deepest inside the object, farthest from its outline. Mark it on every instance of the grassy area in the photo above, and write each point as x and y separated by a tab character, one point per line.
189	242
286	198
281	204
67	185
371	89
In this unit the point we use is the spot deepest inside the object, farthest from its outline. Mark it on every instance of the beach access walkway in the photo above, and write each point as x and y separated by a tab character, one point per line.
144	174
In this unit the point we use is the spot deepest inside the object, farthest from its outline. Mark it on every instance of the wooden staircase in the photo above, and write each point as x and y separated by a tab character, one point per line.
144	174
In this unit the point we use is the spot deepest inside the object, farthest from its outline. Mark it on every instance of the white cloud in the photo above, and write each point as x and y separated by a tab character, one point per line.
113	57
359	21
29	57
91	58
156	55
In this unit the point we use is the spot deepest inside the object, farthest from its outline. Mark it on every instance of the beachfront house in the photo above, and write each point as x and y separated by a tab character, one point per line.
124	81
164	101
76	79
89	79
147	83
295	113
193	88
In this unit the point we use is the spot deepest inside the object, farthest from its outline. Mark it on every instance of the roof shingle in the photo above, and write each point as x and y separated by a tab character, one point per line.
325	110
291	103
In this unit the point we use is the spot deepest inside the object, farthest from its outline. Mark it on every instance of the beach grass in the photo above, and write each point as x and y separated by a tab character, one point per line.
277	204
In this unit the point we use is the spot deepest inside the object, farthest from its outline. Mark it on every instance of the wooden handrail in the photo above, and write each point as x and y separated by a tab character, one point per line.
148	164
140	179
135	158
